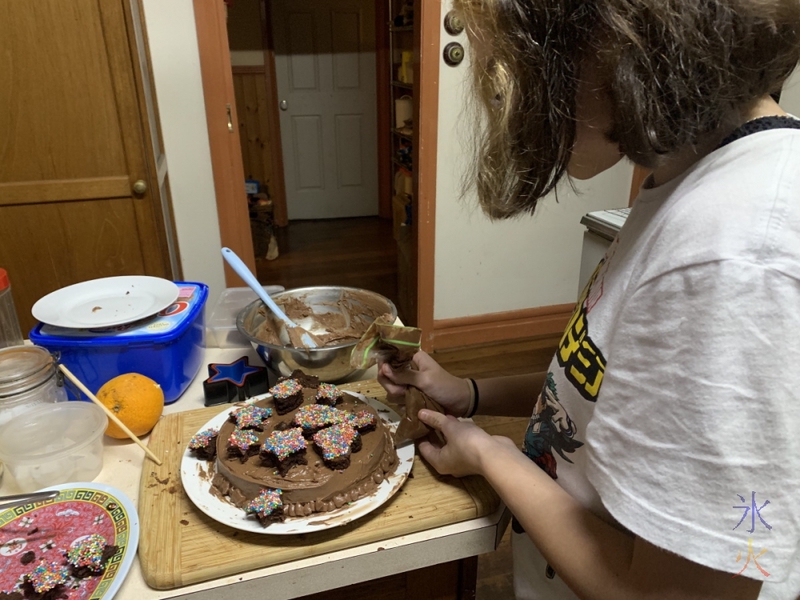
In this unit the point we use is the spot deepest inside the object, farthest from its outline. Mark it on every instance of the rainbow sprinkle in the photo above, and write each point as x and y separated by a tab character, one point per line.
267	501
361	419
284	443
286	389
48	575
327	392
242	439
203	439
335	441
87	552
314	416
251	416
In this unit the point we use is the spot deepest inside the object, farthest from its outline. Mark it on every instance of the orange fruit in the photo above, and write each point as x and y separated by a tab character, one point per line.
136	400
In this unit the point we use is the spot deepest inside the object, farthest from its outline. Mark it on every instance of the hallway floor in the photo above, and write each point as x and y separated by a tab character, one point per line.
358	252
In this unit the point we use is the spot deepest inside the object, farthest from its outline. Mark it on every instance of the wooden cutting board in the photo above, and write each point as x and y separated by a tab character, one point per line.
179	545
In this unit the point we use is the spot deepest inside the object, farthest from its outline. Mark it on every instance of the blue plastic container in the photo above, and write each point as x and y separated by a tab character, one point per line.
167	348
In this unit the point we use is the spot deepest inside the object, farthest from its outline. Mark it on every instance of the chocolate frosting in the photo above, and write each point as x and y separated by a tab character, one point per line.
313	487
345	321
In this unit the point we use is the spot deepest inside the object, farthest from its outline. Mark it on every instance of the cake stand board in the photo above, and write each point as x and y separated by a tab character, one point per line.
179	545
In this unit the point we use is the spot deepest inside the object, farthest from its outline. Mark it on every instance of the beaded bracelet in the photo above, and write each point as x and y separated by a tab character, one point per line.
474	399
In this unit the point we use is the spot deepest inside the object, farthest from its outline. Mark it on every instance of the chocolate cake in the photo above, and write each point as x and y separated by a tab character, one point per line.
363	421
313	417
307	381
242	444
284	449
88	556
287	395
319	484
267	507
250	417
204	444
329	394
46	580
336	443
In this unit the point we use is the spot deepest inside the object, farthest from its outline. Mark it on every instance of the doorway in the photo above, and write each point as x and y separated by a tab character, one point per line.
326	83
259	63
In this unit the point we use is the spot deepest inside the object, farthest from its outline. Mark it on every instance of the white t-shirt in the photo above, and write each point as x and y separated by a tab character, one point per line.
691	324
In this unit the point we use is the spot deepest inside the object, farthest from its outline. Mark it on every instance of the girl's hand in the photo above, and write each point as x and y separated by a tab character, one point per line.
452	392
465	445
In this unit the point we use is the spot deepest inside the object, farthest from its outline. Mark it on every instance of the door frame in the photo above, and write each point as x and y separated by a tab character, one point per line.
223	135
212	44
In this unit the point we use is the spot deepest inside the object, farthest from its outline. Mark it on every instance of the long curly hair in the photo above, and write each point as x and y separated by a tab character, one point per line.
675	70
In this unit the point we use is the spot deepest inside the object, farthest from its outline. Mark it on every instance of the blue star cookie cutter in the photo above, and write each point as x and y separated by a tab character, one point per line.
234	382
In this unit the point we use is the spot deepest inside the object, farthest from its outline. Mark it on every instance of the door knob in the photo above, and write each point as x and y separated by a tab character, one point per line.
284	105
139	187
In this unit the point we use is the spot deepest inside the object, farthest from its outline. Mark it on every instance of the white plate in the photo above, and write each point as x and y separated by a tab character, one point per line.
48	528
105	302
197	485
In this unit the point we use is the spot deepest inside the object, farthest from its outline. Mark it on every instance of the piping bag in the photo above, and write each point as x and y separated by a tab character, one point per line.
396	345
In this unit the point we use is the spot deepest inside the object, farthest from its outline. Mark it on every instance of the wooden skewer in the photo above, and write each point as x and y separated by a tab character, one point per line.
110	414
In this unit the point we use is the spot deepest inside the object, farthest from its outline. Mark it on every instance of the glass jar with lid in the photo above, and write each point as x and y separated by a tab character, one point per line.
28	377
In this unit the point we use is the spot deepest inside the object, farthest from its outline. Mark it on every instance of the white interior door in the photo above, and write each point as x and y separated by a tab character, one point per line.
325	66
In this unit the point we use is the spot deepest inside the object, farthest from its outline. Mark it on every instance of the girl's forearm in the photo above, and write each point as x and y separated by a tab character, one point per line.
590	555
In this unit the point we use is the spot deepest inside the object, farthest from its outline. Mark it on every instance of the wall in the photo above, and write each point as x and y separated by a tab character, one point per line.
483	267
176	71
790	97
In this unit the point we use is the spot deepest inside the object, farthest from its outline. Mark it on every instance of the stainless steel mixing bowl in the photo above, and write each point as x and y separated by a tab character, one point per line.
329	363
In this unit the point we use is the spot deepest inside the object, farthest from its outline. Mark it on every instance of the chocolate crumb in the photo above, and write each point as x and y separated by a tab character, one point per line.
27	557
161	481
184	522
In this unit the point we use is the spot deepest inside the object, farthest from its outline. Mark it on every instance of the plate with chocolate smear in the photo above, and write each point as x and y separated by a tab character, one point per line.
77	546
305	457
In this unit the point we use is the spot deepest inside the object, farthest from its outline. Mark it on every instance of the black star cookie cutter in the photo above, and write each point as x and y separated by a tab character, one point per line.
234	382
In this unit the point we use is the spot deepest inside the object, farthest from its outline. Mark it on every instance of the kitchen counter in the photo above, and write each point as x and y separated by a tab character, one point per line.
345	565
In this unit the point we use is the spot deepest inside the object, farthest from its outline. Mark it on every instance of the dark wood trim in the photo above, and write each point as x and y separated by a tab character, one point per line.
226	151
278	191
426	100
503	326
248	69
382	77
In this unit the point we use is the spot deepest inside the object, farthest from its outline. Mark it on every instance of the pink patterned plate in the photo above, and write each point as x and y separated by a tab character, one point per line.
47	529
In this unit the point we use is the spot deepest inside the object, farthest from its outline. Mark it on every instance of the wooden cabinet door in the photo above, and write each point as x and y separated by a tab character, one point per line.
75	136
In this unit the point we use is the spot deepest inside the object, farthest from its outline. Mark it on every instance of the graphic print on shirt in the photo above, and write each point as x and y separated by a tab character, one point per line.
583	363
550	428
